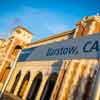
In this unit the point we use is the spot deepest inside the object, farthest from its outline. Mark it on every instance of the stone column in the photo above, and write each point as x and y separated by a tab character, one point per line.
38	97
29	85
59	80
19	84
68	80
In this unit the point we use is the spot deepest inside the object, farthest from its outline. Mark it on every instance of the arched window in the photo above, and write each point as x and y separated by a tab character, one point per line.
35	87
49	86
4	75
16	50
16	82
24	85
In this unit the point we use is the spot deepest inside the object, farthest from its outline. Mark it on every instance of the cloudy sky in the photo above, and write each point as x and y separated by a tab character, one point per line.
44	17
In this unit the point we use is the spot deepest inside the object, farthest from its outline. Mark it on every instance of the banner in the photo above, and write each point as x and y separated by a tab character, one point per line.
78	48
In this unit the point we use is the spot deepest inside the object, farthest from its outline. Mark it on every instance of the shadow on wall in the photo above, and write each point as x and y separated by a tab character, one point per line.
35	86
51	81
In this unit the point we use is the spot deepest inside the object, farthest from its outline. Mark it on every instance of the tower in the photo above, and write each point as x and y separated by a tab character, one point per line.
20	37
77	70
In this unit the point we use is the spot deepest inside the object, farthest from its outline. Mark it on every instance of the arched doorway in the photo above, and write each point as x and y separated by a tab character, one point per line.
4	74
16	82
49	86
24	85
35	87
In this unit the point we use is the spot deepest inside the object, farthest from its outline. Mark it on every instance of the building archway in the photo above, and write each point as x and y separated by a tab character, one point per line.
16	50
15	82
35	87
49	86
24	85
4	74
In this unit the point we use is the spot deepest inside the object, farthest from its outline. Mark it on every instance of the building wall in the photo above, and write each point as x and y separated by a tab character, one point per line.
70	70
34	67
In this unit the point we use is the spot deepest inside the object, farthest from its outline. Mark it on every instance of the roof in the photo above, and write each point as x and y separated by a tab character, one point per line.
66	33
2	39
24	29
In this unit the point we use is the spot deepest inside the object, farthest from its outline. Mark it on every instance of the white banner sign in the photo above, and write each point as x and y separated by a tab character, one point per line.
84	47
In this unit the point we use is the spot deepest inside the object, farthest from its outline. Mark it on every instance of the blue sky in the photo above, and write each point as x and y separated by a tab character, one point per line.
44	17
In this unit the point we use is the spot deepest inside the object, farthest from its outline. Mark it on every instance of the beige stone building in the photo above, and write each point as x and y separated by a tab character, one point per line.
49	79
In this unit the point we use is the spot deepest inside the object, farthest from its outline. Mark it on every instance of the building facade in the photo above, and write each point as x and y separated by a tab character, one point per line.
49	79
